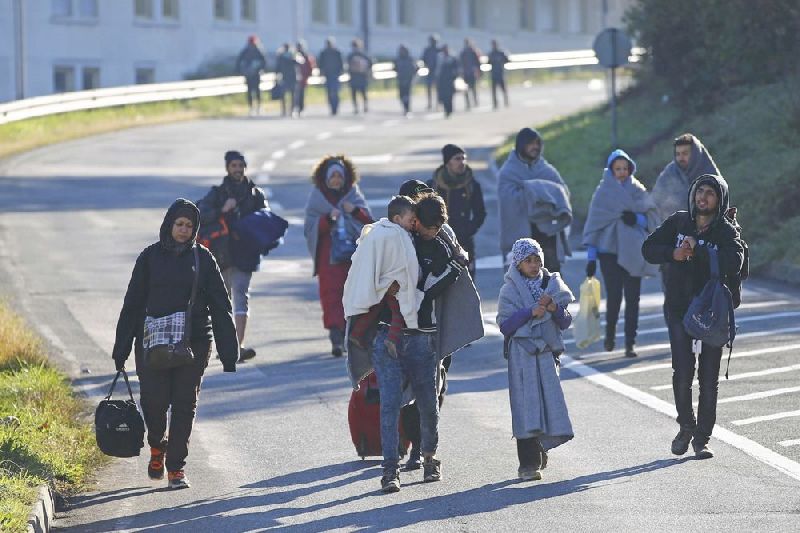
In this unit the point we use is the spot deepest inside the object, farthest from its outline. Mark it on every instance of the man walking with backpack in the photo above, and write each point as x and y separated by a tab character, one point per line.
682	244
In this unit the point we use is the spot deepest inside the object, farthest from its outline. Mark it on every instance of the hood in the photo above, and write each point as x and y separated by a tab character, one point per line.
526	136
700	162
181	207
720	186
616	154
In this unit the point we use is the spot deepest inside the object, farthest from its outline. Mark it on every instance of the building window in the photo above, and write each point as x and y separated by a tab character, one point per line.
382	12
405	14
145	75
248	10
547	15
169	9
63	78
475	14
452	13
90	77
143	9
87	9
527	20
74	9
319	11
222	10
344	12
61	8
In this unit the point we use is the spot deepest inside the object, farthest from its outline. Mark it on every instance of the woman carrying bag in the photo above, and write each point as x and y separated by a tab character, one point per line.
176	291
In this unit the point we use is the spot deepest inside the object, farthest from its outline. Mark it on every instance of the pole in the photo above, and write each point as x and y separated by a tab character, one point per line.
19	55
614	144
365	24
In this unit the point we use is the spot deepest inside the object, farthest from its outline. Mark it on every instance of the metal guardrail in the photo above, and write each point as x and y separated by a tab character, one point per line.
182	90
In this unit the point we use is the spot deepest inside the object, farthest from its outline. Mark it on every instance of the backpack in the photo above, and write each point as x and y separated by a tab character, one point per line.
119	428
710	318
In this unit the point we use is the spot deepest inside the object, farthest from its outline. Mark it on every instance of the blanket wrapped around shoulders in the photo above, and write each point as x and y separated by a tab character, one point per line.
671	190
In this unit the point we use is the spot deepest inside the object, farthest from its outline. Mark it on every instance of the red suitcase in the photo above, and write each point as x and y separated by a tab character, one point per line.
364	417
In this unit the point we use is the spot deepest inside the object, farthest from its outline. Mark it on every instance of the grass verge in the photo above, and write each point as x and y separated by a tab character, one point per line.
752	137
44	436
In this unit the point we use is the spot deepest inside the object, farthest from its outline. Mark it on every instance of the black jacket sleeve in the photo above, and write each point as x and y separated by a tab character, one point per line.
219	306
134	307
659	245
730	253
478	207
210	207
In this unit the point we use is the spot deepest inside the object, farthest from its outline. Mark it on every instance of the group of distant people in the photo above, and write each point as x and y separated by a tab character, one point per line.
294	66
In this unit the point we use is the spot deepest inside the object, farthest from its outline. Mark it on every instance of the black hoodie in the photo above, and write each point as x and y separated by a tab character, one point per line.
161	284
683	280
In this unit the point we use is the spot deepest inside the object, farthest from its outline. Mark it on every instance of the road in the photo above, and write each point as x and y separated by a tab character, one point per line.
271	448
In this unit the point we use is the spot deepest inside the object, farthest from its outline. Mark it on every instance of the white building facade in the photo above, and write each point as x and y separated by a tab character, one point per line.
50	46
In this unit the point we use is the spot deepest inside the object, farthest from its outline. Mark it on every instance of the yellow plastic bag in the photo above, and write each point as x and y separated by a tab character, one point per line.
587	323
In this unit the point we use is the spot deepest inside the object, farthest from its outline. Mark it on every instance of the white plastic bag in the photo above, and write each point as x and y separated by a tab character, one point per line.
587	322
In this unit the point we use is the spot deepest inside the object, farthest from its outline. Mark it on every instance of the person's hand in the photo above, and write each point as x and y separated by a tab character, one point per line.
348	207
394	288
545	300
335	214
629	218
591	268
690	241
229	205
538	312
682	254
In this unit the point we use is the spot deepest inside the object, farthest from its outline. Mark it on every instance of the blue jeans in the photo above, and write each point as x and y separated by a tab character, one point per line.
418	363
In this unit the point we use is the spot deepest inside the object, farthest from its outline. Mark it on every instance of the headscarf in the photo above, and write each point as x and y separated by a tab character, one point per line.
522	249
180	208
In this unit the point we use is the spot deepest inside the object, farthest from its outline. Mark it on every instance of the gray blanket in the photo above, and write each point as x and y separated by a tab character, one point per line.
318	207
538	407
605	230
671	191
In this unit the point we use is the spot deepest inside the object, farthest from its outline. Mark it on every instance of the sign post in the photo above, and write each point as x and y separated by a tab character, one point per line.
612	48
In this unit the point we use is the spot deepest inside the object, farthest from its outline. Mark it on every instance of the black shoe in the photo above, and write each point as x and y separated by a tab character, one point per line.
414	461
245	354
629	352
390	482
702	451
609	344
432	470
680	444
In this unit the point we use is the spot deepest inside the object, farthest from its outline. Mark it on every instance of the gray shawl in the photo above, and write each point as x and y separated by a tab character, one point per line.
538	407
671	190
520	204
319	207
605	230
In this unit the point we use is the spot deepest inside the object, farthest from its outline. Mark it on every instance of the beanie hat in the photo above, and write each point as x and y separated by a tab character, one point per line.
449	151
413	188
233	155
524	248
333	167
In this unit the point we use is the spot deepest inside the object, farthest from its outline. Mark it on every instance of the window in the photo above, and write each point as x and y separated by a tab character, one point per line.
143	9
344	12
222	10
547	15
169	9
63	78
90	77
405	14
87	9
527	20
145	75
74	9
248	10
452	13
319	11
475	14
382	15
62	8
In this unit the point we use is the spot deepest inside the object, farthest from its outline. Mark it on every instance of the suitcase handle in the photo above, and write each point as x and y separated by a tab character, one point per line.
114	384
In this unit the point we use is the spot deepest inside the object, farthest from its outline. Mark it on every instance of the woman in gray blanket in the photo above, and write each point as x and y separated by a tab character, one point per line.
621	216
531	315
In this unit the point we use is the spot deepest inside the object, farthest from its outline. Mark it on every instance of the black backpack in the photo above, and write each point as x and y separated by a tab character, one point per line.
119	428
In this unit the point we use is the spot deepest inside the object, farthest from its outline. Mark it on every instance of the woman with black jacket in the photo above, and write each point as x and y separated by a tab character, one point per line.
161	284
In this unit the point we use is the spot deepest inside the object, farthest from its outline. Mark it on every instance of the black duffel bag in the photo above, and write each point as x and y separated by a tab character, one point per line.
118	425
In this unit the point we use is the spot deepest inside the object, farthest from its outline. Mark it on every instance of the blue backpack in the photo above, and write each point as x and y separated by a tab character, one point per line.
710	317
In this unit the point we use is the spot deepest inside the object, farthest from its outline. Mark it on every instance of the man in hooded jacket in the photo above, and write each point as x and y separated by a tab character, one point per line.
681	245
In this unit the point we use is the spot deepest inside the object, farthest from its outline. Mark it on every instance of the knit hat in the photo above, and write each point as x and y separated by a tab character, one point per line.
449	151
333	167
233	155
413	188
524	138
524	248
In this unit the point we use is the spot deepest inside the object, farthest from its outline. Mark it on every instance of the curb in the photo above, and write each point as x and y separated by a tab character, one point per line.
41	517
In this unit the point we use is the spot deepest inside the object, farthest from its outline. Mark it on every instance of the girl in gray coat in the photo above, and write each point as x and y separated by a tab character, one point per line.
531	306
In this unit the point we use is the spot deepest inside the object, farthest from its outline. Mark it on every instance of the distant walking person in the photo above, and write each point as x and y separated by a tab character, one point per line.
446	74
359	66
457	185
470	59
681	244
161	286
250	63
406	70
286	69
305	66
331	65
430	57
621	215
498	59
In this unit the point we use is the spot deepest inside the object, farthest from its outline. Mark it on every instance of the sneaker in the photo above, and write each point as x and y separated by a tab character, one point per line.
390	482
414	461
337	350
432	470
177	480
681	442
155	468
702	452
629	352
246	354
608	344
529	473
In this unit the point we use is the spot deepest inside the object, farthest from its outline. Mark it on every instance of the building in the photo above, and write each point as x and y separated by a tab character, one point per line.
50	46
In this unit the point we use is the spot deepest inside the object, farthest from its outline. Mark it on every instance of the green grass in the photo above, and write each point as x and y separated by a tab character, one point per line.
753	138
51	441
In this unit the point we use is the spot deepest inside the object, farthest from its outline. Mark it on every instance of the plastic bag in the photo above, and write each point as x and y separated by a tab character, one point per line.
587	321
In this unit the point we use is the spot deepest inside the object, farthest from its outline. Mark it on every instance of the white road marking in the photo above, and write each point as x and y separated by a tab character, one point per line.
745	375
749	305
496	261
279	154
377	159
297	144
766	418
751	448
268	166
787	443
759	395
434	116
324	135
354	129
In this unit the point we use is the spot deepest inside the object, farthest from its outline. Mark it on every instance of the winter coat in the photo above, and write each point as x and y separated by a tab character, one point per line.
161	284
360	67
406	69
251	61
464	199
286	66
470	64
446	74
430	57
498	59
330	63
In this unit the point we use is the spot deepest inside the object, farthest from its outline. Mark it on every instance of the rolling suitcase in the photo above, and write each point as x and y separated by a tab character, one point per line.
364	417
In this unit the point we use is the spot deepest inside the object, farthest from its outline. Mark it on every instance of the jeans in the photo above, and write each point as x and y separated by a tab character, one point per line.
418	363
618	280
332	86
683	365
501	84
253	90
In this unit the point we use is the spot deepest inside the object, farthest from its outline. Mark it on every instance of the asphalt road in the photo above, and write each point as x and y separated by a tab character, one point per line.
271	448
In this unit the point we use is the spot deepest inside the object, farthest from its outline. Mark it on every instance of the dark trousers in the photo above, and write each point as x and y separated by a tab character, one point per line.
549	245
472	90
446	98
683	365
332	88
529	452
300	98
175	390
355	90
291	93
405	95
253	90
430	87
410	413
618	280
501	84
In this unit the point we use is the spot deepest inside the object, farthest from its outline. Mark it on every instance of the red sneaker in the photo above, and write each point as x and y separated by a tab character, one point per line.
177	480
155	468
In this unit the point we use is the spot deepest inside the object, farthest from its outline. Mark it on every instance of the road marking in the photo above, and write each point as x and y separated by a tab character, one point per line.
749	305
297	144
766	418
751	448
433	116
745	375
760	395
353	129
268	166
787	443
735	355
279	154
378	159
324	135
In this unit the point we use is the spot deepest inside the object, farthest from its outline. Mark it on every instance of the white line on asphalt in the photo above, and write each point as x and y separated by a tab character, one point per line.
268	166
279	154
749	305
766	418
377	159
353	129
324	135
735	355
434	116
760	395
297	144
745	375
787	443
751	448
